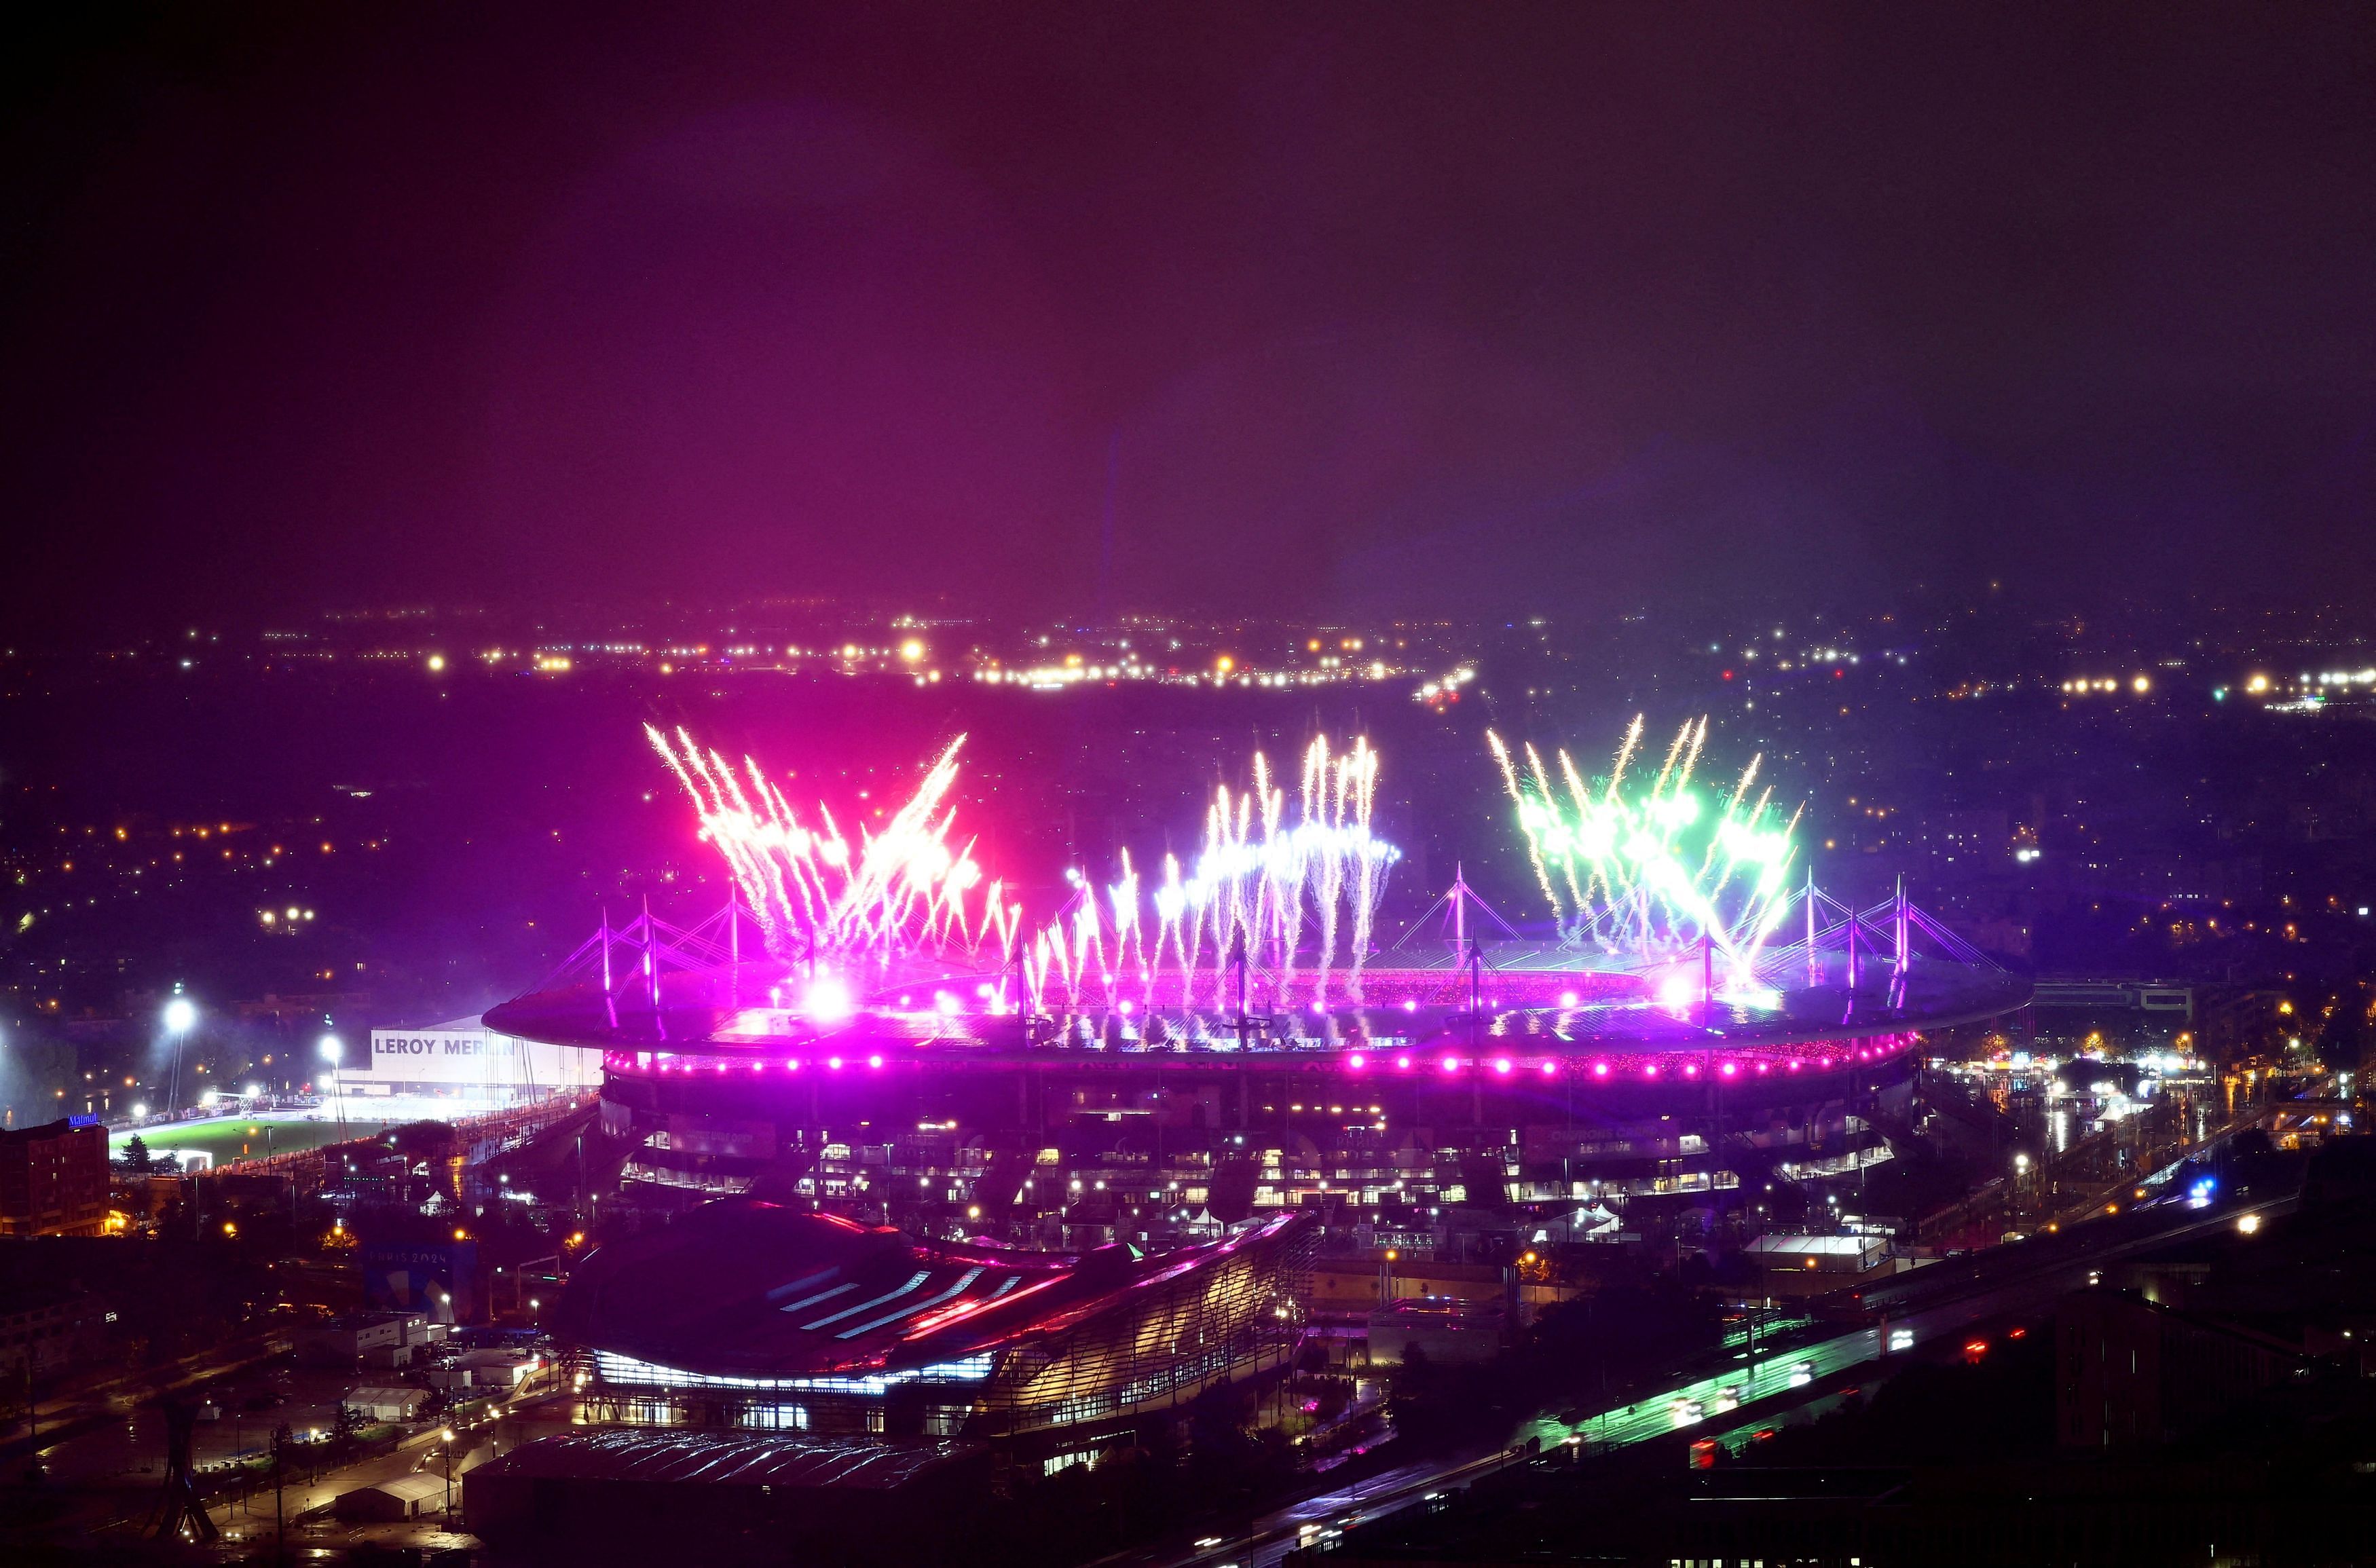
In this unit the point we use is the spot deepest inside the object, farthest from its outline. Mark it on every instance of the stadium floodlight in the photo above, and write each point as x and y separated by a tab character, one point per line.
180	1018
332	1048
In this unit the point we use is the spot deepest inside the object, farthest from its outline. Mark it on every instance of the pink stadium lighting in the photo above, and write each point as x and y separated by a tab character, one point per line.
1355	1061
827	1000
834	1063
1403	1061
1503	1066
874	1062
1729	1069
1451	1063
1600	1069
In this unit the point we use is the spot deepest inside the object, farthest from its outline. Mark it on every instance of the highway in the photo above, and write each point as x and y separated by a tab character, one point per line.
1998	1286
2022	1278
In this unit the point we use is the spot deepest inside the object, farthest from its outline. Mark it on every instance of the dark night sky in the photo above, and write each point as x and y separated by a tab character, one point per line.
1461	308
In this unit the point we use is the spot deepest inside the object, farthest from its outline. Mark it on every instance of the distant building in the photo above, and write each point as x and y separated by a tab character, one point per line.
383	1404
394	1500
1816	1265
485	1369
2131	1373
48	1331
1440	1328
379	1340
54	1181
2127	1010
1348	1290
465	1061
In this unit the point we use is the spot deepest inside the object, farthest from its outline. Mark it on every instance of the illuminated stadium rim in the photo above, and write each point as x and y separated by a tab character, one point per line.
952	1028
1444	1056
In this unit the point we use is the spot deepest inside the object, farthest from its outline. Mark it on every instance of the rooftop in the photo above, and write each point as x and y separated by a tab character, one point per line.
755	1296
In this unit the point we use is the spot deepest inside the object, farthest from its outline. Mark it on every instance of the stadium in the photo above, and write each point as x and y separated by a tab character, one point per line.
1515	1037
1045	1185
872	1030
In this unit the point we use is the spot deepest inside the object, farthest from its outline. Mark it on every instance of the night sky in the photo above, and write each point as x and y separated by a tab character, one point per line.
1276	310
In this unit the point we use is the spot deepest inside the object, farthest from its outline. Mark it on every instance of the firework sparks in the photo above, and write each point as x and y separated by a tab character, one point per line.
1654	869
1272	887
1292	887
909	886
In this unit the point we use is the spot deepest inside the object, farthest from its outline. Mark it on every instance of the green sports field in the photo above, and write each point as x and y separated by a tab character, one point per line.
243	1137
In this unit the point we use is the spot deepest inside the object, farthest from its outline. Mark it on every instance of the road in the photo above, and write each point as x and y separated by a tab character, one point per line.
534	1412
2021	1278
1283	1530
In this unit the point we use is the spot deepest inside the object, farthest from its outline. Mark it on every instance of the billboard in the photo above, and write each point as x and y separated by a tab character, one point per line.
438	1278
465	1054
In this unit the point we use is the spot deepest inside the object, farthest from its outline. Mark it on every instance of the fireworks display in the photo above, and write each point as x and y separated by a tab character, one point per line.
906	887
1653	865
1289	885
1667	887
1267	881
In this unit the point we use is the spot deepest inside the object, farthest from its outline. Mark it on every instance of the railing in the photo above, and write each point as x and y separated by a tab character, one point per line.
504	1130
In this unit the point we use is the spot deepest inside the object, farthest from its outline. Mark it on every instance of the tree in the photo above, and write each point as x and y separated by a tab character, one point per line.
135	1155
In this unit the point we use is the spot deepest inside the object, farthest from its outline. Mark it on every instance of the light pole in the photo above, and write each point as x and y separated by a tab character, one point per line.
180	1018
445	1448
332	1048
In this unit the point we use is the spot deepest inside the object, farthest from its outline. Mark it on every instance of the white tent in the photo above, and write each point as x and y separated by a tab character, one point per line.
406	1497
385	1404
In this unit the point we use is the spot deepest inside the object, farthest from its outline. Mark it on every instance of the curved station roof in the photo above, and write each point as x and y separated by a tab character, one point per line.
754	1297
